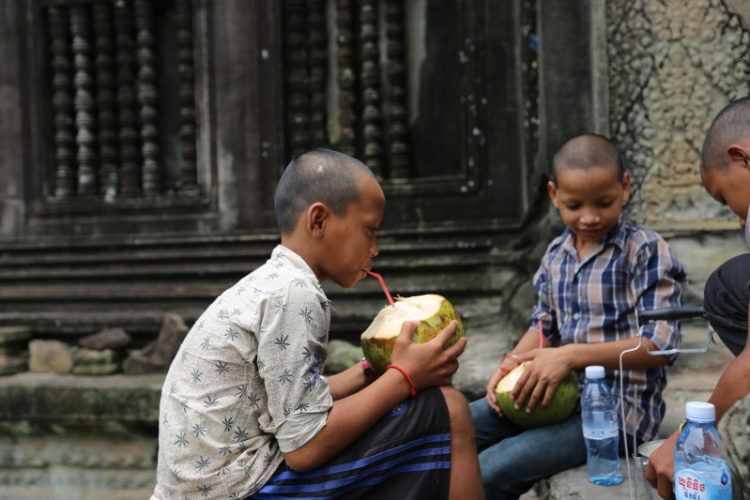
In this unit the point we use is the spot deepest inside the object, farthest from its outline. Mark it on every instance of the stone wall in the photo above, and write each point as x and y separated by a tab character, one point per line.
66	437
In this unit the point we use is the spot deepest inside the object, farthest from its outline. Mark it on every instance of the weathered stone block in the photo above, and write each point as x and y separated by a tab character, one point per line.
14	335
13	364
50	356
111	338
138	364
156	356
94	357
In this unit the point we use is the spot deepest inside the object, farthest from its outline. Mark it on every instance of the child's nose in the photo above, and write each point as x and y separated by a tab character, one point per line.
591	217
374	249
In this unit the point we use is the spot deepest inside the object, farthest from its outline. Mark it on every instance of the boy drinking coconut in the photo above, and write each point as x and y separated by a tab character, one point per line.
245	410
591	280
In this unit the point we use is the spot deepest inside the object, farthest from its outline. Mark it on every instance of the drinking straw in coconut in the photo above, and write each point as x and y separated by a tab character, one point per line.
541	335
382	283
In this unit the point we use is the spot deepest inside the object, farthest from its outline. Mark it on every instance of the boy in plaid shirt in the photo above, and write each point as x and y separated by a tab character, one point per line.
591	280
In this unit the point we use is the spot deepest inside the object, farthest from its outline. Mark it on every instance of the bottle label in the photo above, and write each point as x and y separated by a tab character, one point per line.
703	485
600	425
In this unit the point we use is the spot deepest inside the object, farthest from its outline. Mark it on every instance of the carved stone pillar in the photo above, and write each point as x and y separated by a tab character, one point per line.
130	175
346	78
105	97
80	27
62	101
147	98
188	169
369	55
297	77
398	113
316	43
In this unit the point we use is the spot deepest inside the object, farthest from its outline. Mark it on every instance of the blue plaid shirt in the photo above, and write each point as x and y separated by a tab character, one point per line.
594	300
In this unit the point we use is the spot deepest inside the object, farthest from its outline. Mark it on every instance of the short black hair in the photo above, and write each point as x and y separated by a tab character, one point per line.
319	175
731	124
585	152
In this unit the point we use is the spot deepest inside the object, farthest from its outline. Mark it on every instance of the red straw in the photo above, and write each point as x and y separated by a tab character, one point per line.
382	283
541	335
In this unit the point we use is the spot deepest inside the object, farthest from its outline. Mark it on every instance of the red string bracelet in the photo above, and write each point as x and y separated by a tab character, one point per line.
408	378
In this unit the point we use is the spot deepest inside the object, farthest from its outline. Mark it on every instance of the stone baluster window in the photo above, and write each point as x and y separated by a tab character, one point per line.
368	117
122	100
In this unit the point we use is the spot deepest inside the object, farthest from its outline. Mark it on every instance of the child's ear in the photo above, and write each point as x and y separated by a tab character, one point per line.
552	190
317	215
625	187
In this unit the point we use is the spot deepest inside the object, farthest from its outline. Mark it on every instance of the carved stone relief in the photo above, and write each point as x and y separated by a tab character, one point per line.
673	64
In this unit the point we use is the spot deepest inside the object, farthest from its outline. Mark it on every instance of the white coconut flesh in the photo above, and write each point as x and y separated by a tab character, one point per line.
389	320
508	382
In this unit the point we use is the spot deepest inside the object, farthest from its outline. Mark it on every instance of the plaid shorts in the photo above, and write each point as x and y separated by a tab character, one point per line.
405	455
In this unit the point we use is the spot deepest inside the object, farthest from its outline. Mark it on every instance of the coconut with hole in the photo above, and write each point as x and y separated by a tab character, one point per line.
431	312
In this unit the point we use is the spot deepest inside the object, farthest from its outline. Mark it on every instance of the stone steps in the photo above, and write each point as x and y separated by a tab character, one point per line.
67	288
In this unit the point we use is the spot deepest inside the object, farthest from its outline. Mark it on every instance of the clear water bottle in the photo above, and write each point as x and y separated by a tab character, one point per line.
700	469
600	429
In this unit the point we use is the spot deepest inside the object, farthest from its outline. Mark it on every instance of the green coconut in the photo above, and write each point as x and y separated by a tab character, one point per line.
563	402
431	312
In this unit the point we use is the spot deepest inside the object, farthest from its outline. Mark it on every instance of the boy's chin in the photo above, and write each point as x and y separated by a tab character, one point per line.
349	282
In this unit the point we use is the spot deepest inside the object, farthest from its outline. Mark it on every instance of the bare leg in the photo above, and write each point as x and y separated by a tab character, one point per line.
466	480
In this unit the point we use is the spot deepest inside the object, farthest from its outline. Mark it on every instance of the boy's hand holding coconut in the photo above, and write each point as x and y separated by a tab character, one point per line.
530	384
428	364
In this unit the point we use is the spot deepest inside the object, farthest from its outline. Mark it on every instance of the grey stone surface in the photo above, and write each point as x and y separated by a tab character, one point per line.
111	338
157	355
573	484
69	399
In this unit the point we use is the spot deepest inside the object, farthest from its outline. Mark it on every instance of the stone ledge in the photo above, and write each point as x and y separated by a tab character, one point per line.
69	399
574	484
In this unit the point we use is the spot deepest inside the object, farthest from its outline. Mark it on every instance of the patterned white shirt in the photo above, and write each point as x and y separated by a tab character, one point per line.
246	384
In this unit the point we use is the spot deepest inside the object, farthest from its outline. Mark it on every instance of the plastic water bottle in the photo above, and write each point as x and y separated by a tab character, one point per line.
700	470
600	429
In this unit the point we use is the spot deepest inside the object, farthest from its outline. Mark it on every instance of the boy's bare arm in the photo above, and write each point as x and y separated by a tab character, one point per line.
551	366
427	364
348	382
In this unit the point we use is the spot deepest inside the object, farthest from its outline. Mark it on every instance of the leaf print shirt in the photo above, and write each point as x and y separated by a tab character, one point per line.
246	384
